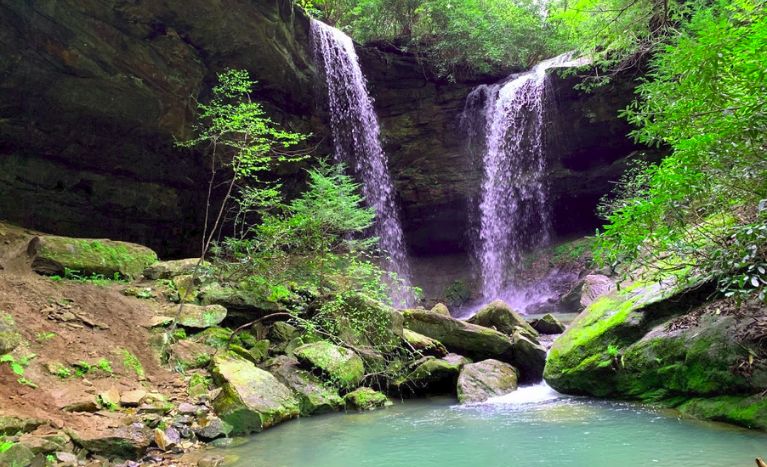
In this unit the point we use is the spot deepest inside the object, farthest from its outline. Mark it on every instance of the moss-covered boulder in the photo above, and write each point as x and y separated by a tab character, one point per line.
251	399
747	411
430	375
174	268
425	345
459	336
241	299
441	309
54	255
499	315
198	316
16	455
314	396
216	337
483	380
14	425
666	342
624	344
548	324
9	335
339	365
366	399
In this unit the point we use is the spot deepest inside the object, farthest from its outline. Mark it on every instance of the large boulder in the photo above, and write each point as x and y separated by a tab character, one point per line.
459	336
54	255
9	335
665	341
187	354
499	315
125	442
520	349
251	399
483	380
594	286
248	301
313	395
529	357
341	366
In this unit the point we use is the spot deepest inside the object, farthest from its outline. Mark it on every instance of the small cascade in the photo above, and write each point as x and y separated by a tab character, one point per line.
535	394
356	138
506	122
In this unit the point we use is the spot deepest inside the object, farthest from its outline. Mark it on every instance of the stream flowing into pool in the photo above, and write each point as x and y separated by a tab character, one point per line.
531	426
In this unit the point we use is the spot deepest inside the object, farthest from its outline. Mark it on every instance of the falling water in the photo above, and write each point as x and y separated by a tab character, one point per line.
507	121
356	137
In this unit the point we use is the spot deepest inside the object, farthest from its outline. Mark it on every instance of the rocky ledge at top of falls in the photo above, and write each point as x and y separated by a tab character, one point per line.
668	342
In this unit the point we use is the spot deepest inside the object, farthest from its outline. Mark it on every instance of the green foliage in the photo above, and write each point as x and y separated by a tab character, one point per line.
95	279
105	366
460	38
44	336
318	240
131	362
703	206
18	367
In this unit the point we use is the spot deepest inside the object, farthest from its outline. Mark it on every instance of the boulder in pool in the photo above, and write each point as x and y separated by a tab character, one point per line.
251	399
339	365
366	399
548	324
480	381
459	336
499	315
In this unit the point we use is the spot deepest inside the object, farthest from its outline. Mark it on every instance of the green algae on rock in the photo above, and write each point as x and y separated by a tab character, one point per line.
9	335
365	398
55	255
251	399
313	395
424	344
499	315
340	365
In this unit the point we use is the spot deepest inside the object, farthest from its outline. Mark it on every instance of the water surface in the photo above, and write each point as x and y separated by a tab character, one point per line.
533	426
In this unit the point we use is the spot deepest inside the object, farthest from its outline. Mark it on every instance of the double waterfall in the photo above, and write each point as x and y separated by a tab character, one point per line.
507	122
357	142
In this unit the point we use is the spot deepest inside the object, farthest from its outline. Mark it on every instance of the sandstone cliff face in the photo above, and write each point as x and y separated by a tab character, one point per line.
94	93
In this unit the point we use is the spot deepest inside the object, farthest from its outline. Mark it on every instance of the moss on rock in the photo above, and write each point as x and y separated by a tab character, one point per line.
366	399
251	399
54	255
340	365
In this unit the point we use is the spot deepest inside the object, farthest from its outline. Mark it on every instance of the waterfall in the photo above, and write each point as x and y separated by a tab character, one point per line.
506	121
357	142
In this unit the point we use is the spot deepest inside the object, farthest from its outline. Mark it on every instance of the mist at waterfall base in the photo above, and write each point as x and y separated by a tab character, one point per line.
357	143
531	426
